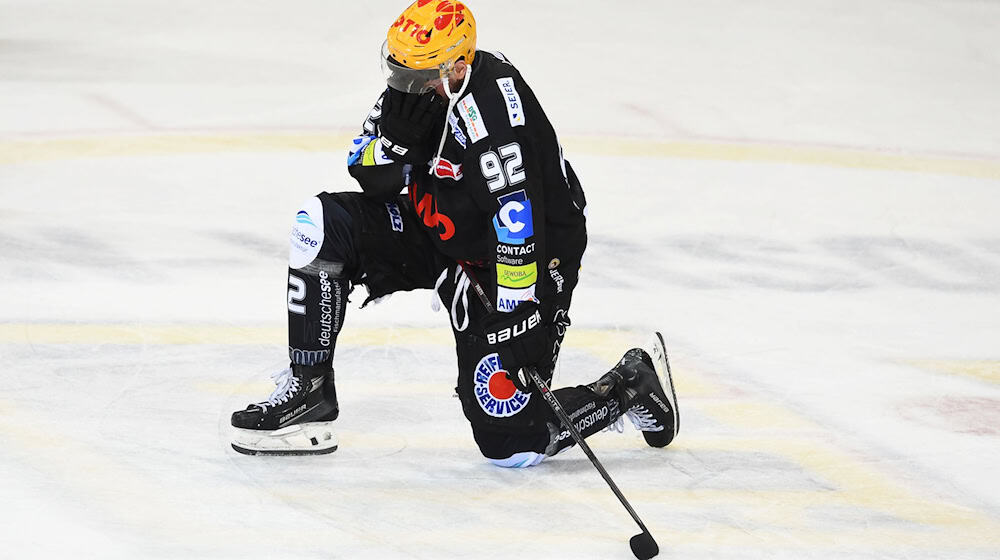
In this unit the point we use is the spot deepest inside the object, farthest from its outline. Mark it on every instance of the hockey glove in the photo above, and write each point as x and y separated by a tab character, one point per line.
521	338
408	123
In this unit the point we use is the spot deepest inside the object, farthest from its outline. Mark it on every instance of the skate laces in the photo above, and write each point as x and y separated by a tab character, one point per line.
643	419
287	385
617	426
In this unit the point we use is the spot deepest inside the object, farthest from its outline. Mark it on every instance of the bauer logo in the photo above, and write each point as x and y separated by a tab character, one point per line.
474	122
497	395
513	222
515	111
307	234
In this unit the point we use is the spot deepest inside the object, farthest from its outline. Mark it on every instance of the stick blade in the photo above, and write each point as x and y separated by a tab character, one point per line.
643	546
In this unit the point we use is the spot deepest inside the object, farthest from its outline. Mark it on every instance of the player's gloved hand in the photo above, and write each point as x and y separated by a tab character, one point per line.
522	339
408	124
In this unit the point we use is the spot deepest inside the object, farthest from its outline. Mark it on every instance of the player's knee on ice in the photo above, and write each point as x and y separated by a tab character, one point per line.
520	460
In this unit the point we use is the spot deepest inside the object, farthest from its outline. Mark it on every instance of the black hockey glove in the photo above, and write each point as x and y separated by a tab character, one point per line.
521	338
408	123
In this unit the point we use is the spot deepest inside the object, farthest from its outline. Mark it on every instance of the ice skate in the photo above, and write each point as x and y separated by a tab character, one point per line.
297	419
645	390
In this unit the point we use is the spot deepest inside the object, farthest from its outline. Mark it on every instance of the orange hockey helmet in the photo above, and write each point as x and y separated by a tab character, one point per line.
425	41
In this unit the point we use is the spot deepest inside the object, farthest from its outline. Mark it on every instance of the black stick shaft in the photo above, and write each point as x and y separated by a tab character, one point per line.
564	418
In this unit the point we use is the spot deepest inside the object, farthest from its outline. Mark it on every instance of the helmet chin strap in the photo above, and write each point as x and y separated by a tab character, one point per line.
452	101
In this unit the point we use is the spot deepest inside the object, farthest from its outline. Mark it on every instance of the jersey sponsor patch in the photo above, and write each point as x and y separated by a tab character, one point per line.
516	250
456	130
509	298
558	279
522	276
497	395
513	222
448	170
474	122
307	234
515	111
395	218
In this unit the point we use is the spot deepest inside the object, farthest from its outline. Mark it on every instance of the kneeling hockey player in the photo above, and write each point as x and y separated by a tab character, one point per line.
491	206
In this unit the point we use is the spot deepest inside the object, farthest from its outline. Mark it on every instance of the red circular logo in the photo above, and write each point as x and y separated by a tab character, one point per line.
501	387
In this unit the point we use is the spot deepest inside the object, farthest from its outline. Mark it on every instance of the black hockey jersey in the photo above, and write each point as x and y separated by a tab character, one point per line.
501	194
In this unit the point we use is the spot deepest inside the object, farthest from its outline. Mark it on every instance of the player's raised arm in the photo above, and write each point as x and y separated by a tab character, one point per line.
397	132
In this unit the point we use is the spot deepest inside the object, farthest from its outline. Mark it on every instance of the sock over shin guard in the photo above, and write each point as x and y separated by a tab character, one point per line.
588	412
318	286
316	318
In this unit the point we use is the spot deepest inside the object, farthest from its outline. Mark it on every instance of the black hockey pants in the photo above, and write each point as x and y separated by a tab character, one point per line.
343	239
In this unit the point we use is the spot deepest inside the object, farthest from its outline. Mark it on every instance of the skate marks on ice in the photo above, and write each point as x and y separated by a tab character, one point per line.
747	472
748	475
751	472
974	415
829	264
111	441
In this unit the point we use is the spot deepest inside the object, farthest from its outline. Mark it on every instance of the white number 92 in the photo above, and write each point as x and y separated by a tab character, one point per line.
504	169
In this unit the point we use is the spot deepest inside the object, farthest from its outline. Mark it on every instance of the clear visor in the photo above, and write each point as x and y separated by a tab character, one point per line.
408	80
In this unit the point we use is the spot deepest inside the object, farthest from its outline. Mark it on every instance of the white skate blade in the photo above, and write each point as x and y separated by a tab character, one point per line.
662	367
311	438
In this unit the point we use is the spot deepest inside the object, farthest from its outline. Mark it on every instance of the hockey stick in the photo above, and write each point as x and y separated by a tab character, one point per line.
643	545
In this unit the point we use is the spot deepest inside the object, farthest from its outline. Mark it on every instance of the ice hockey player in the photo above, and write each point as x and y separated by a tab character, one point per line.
490	205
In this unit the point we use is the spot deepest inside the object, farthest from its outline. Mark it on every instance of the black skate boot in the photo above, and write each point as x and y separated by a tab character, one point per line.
297	418
638	381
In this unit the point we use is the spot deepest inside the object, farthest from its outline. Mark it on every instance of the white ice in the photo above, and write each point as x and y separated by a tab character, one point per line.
803	196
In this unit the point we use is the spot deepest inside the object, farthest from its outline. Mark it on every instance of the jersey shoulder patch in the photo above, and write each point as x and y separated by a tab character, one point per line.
473	117
512	101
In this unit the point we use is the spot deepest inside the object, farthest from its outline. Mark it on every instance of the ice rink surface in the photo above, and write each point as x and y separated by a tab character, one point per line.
803	196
